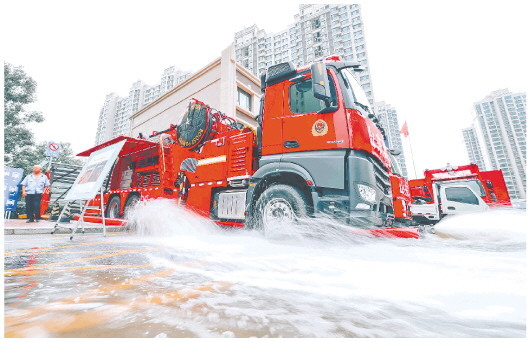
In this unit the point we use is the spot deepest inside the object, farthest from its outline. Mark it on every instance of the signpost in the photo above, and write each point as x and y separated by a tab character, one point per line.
53	149
89	181
12	178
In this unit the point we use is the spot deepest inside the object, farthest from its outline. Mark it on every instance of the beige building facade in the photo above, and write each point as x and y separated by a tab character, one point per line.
223	84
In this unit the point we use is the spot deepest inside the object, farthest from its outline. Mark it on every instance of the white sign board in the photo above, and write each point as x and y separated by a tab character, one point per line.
452	174
53	149
91	177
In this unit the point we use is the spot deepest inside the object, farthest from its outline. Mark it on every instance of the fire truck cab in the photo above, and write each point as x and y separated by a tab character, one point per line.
456	190
316	136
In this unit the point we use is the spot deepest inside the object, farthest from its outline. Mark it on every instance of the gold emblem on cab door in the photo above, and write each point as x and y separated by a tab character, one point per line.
320	127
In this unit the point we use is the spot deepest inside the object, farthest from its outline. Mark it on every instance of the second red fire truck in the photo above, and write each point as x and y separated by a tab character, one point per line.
456	190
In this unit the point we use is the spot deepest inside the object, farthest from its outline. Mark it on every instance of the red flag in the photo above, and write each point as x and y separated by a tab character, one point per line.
405	130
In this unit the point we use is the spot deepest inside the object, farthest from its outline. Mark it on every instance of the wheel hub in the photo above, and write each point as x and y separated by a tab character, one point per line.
113	210
278	210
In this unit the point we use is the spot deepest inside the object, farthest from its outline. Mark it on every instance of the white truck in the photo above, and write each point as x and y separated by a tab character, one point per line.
451	191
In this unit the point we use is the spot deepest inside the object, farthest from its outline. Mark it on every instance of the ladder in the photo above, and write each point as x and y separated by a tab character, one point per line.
166	167
81	222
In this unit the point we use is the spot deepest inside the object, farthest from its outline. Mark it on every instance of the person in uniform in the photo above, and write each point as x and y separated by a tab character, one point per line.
32	189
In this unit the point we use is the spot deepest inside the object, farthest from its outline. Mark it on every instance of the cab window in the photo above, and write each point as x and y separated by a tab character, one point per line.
462	195
301	99
473	184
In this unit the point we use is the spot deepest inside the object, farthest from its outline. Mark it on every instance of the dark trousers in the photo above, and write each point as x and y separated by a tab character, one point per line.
33	206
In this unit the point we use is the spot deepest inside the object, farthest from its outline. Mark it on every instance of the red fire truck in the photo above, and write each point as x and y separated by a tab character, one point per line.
318	151
454	190
401	200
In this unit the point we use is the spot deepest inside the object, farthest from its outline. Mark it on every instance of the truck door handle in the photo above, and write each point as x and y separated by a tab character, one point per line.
451	208
291	144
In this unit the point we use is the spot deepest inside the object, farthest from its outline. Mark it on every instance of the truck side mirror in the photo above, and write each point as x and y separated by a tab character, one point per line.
320	79
395	151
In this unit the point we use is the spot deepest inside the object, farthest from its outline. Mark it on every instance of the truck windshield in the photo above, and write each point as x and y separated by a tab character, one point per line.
354	91
473	184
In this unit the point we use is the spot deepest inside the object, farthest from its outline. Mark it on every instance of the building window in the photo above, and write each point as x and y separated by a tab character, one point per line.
244	99
318	51
317	38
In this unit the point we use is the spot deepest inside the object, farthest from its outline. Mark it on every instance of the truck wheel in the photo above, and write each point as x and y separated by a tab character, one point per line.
113	208
131	202
279	204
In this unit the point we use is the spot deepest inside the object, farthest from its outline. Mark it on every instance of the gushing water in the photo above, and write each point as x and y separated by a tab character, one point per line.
316	279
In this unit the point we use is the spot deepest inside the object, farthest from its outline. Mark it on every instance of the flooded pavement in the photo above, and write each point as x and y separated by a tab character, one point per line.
180	276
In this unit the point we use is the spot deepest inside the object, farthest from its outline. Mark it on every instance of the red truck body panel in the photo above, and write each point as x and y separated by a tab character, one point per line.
401	198
153	172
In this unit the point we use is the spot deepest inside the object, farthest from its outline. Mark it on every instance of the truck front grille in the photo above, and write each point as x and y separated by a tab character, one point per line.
381	175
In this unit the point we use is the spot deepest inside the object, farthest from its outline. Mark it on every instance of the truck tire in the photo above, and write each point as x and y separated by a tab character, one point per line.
279	204
113	208
131	202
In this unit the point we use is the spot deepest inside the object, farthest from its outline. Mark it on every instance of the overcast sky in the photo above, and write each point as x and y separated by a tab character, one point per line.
429	59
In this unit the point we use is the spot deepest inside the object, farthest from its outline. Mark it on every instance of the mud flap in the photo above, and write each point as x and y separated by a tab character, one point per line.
402	233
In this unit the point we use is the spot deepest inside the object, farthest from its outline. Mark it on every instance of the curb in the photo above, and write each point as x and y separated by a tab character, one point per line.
24	229
59	231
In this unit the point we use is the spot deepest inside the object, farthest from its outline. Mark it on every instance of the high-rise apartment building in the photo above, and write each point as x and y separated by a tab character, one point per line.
473	147
501	125
388	118
318	31
127	106
106	118
115	116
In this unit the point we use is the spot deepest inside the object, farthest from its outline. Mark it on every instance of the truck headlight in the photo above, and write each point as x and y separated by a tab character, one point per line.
363	206
367	193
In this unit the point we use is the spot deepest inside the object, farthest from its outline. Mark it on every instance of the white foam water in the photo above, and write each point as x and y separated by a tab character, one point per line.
163	217
315	279
500	225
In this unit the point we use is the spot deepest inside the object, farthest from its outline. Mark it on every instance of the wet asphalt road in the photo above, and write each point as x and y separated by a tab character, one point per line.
95	286
186	278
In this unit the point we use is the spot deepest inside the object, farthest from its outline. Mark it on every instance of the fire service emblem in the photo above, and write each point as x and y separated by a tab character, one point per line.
320	127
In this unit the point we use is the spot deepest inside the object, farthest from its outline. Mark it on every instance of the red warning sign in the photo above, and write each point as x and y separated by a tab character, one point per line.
52	149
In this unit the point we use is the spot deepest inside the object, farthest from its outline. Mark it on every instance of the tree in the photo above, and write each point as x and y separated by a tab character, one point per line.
36	156
19	142
19	91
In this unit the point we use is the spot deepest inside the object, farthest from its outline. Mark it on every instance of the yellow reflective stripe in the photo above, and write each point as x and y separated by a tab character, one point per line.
220	159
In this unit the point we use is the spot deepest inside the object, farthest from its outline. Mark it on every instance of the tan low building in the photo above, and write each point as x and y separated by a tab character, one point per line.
223	84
